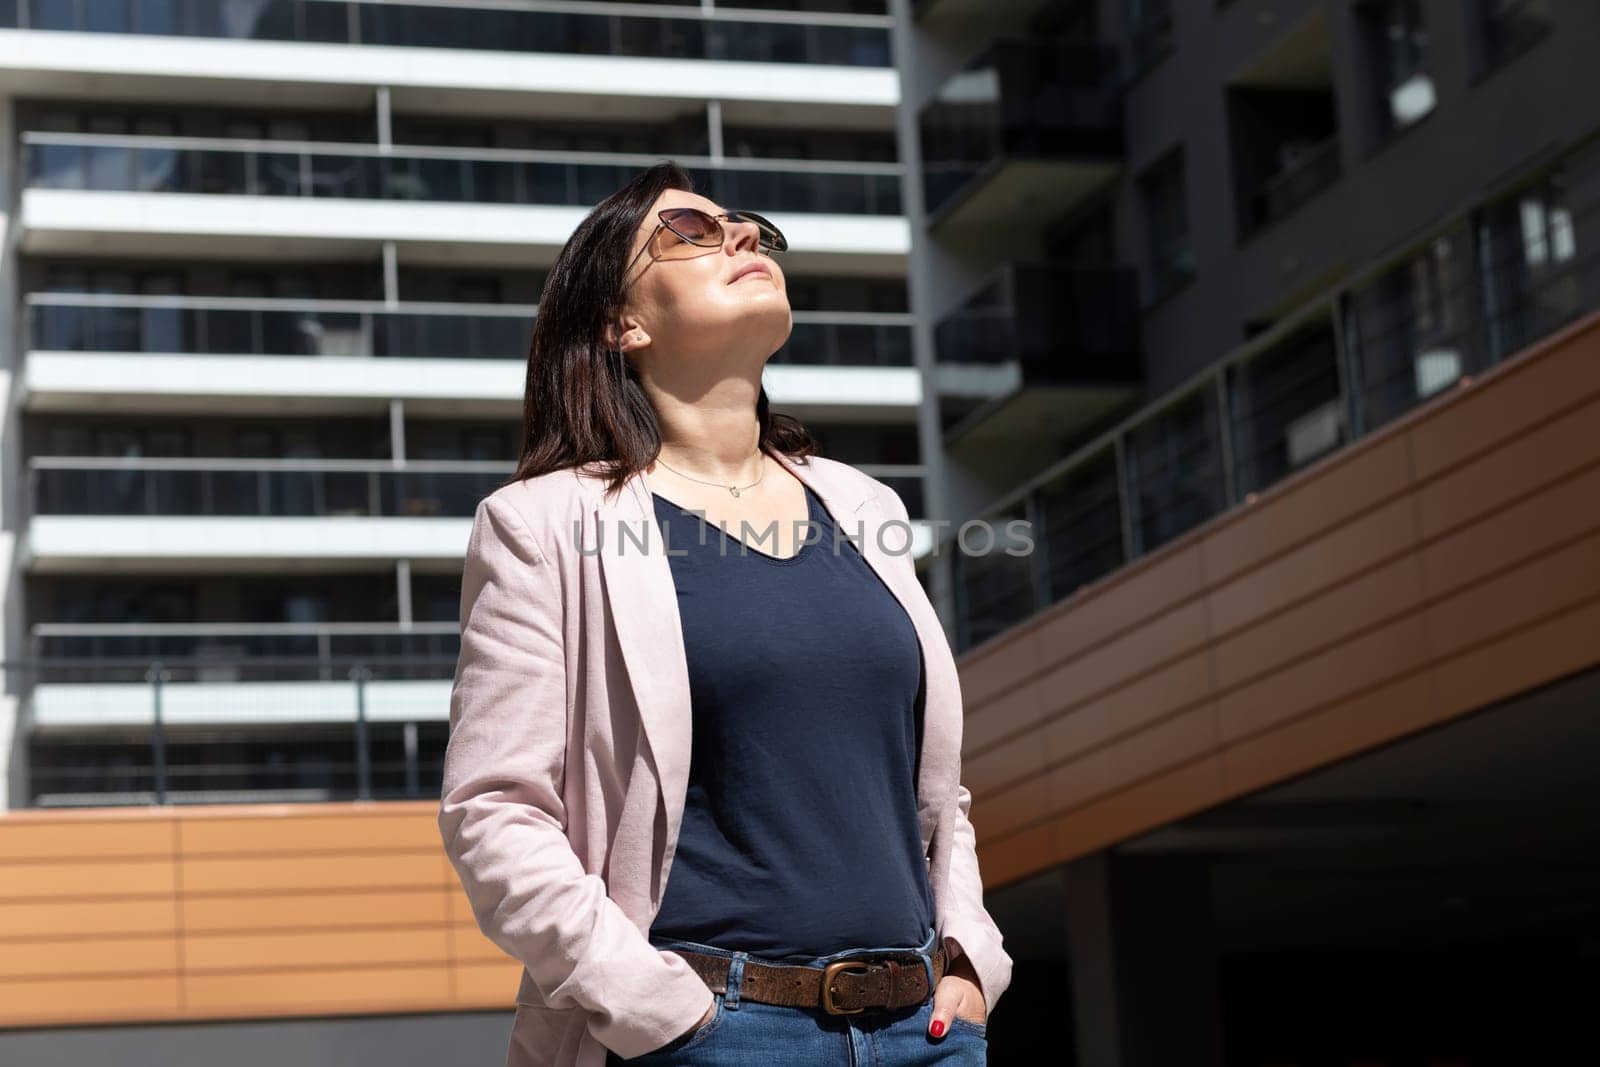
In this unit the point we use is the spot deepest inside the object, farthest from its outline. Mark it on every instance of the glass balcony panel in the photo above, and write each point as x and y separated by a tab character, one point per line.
436	25
55	162
265	492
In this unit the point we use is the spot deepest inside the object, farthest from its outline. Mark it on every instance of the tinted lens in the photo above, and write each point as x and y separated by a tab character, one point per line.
694	225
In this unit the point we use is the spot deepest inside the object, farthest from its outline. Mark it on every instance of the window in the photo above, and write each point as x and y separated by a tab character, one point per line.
1396	42
1162	191
1507	28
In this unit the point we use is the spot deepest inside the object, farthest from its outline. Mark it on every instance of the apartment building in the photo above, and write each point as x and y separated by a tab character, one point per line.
1278	321
271	276
268	280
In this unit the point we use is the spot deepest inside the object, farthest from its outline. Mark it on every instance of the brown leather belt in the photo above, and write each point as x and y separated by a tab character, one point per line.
843	987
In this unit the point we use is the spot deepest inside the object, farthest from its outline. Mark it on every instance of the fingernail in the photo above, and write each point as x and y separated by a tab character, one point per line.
938	1028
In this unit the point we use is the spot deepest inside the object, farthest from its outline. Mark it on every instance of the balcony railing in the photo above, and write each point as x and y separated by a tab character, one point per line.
277	488
295	488
122	652
1056	323
596	29
1472	291
1020	100
95	322
207	728
1313	170
416	173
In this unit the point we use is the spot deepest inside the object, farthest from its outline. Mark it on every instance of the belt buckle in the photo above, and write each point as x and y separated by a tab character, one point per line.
827	985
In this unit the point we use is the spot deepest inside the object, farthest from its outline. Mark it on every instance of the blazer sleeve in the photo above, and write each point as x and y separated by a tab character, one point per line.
502	814
968	929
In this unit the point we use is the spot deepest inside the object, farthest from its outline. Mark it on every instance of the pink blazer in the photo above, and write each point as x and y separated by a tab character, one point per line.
568	759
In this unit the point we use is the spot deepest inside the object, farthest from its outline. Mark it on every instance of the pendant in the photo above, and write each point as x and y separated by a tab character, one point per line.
734	489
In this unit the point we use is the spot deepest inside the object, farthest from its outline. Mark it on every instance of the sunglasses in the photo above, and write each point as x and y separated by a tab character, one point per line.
704	229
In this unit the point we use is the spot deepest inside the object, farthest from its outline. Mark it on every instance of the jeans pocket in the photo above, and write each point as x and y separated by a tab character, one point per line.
977	1029
698	1034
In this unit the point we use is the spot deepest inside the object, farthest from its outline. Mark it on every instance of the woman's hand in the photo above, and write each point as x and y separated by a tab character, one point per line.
958	993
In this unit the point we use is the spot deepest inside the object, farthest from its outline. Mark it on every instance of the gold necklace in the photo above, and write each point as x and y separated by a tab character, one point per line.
734	489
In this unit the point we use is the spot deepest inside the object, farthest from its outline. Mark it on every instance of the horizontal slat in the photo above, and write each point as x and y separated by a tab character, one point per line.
320	948
266	873
292	911
89	957
287	834
32	839
107	880
74	918
392	987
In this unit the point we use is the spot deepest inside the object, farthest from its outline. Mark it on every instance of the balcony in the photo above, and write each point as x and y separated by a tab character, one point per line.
193	513
1283	127
104	352
1036	343
1305	169
1025	123
103	195
294	488
1381	349
684	33
325	170
278	488
120	653
238	326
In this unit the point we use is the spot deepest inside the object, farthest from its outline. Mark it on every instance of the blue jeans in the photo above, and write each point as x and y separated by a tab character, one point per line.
743	1032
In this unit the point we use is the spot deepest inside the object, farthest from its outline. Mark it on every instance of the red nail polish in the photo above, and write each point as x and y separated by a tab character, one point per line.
938	1028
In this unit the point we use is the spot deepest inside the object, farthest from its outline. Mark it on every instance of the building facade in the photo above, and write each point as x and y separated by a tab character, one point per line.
1277	320
1274	319
271	278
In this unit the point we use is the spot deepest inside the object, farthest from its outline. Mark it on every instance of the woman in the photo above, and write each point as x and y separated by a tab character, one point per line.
606	608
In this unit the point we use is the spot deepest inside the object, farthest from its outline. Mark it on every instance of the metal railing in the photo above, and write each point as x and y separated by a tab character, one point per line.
1474	289
126	323
218	652
1312	171
151	486
1058	322
261	488
677	30
196	730
418	173
1031	100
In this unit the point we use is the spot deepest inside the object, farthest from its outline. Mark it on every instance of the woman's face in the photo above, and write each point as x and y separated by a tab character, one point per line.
701	303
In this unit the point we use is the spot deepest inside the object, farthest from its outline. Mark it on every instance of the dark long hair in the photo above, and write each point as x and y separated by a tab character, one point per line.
583	405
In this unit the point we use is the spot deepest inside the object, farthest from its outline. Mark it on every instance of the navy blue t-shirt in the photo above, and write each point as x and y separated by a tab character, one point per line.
800	834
